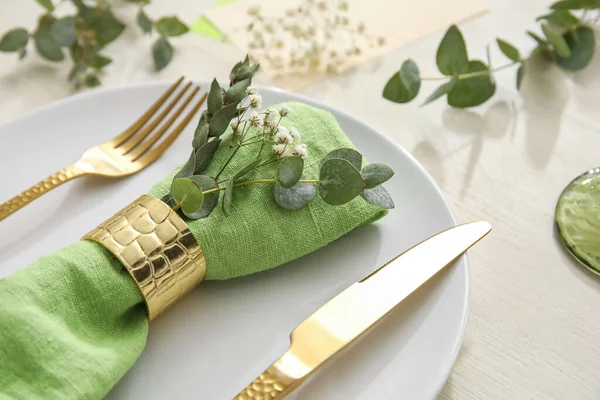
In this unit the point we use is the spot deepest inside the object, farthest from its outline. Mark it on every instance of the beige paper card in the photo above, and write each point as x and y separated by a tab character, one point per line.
300	35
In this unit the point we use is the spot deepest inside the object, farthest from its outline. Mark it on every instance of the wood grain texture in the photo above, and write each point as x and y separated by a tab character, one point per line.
533	322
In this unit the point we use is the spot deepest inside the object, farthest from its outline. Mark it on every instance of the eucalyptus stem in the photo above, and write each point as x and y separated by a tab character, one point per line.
469	75
261	149
177	207
233	153
246	183
251	142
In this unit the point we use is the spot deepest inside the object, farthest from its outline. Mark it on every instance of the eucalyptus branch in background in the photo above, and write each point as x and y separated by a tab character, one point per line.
82	37
568	41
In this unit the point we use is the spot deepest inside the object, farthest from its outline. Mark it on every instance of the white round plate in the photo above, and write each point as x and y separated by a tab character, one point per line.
220	337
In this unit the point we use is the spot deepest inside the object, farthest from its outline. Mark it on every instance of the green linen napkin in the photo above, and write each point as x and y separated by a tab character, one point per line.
73	322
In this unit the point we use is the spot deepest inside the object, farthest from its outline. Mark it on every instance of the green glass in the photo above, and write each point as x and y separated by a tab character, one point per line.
578	219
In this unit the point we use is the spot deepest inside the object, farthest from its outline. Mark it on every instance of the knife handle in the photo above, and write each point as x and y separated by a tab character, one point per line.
274	384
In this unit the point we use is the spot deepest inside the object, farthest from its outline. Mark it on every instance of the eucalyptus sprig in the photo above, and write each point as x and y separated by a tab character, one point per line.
568	41
341	175
83	35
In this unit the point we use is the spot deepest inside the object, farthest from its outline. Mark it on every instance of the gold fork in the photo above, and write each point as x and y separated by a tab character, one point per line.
126	154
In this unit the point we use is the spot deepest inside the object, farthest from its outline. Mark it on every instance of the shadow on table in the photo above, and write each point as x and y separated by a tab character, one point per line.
493	124
545	95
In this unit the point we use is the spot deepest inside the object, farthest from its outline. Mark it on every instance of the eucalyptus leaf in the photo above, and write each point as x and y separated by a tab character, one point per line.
22	53
340	181
45	44
582	44
91	81
14	40
376	174
510	51
220	120
245	170
204	155
245	72
47	4
541	41
215	97
238	69
188	168
99	61
351	155
187	194
379	197
575	5
289	171
520	76
64	32
105	26
210	199
295	197
452	57
144	22
561	18
441	90
171	26
235	70
558	42
227	197
472	91
162	53
85	12
201	132
237	92
404	85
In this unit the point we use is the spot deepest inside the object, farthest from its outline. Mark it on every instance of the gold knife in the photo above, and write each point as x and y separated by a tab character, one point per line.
349	314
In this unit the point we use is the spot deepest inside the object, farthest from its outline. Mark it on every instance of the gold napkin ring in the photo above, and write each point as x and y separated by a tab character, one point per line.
157	248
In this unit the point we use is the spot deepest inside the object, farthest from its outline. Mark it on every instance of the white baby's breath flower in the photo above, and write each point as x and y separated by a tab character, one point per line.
288	153
283	136
285	111
295	135
271	118
252	90
279	149
254	10
255	101
300	150
255	120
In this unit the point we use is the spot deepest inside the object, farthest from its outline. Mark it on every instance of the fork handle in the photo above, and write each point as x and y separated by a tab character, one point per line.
27	196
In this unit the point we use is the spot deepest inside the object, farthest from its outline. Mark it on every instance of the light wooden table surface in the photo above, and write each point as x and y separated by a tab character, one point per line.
534	318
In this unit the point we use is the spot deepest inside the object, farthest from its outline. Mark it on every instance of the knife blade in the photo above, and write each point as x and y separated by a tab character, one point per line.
352	312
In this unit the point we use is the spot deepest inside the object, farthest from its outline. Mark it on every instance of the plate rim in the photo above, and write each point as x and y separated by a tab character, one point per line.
445	367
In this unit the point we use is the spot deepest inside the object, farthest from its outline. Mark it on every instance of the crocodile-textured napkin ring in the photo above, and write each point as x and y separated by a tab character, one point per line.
157	248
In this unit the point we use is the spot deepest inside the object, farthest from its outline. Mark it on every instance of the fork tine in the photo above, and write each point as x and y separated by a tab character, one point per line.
146	116
150	156
144	145
146	130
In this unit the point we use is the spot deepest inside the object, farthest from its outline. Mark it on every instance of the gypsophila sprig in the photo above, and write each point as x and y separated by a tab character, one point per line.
341	176
568	40
82	36
312	36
